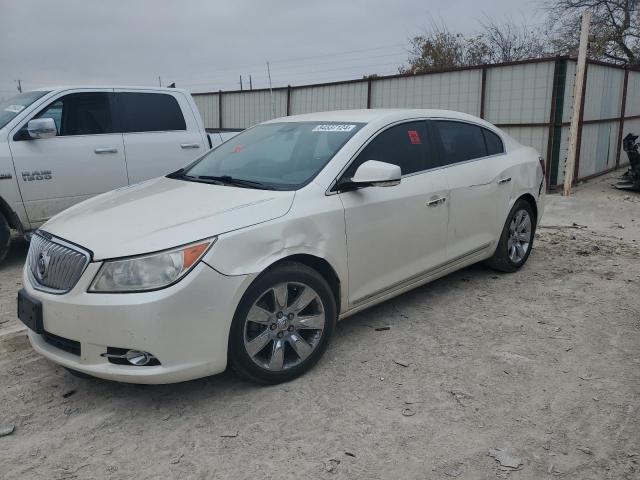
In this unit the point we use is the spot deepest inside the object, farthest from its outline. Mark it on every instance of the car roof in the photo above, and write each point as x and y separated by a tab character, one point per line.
377	114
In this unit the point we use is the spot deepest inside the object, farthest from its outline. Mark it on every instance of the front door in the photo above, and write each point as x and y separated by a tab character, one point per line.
85	158
395	233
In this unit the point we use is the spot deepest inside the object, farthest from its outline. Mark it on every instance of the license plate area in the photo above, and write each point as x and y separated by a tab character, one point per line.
30	311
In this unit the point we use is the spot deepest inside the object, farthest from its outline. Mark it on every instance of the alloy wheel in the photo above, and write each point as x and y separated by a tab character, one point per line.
284	326
520	232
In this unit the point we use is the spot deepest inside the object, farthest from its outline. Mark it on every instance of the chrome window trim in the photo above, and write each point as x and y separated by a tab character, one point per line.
329	190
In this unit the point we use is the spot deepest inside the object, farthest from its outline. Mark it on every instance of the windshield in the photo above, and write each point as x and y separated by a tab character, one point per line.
13	106
280	156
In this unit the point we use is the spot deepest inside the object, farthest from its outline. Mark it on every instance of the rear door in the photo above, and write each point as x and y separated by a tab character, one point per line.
85	158
159	137
396	233
475	162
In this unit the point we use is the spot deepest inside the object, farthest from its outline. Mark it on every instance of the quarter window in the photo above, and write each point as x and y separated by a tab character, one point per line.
150	112
461	141
81	114
494	144
404	145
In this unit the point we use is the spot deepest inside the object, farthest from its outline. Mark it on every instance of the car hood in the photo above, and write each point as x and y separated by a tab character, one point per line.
163	213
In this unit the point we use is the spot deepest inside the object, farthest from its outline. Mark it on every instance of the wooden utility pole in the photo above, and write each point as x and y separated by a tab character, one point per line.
577	103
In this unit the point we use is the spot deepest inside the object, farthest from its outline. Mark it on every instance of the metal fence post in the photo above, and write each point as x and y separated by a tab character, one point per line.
220	109
483	88
288	100
369	81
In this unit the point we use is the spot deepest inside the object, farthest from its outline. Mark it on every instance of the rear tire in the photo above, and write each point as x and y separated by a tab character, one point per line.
5	237
282	324
516	239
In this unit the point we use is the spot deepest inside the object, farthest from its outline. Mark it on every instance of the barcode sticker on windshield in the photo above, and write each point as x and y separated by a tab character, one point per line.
14	108
333	128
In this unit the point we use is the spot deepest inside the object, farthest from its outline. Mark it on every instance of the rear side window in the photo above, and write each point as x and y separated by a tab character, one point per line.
493	142
149	112
404	145
81	114
461	141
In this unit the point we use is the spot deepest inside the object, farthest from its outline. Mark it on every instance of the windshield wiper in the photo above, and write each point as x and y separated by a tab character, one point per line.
228	180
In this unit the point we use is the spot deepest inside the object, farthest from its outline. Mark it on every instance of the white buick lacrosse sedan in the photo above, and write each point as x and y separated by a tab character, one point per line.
250	255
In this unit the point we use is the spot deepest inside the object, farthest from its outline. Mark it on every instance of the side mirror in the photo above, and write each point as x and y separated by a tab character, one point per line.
42	128
377	174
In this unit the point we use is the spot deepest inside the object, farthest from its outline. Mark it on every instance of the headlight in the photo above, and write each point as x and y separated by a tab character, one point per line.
149	272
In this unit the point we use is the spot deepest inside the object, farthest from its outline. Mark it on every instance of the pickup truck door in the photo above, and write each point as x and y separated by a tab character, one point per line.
161	133
84	159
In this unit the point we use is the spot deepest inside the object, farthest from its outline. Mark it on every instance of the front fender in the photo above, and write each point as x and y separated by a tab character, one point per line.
10	199
309	229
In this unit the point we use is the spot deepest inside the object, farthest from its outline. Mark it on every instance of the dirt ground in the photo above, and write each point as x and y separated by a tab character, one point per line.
541	368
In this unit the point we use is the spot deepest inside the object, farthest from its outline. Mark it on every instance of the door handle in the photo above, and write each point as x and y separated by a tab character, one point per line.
436	201
106	150
504	180
189	145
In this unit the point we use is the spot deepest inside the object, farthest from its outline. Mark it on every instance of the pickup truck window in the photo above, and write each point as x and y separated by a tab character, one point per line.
81	114
14	105
149	112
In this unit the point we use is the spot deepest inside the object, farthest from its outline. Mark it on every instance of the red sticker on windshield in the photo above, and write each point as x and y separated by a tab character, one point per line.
414	138
238	149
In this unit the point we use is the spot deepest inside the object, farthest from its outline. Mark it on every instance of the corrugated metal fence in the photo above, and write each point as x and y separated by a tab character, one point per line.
531	100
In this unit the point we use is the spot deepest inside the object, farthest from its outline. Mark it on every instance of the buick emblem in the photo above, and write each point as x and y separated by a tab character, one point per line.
43	265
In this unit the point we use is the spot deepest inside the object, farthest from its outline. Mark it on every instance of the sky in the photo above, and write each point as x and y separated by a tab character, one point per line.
205	45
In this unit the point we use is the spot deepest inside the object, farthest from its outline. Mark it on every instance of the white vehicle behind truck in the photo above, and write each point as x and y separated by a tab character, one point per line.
60	146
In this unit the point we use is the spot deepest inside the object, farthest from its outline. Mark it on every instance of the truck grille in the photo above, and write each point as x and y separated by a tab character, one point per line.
55	265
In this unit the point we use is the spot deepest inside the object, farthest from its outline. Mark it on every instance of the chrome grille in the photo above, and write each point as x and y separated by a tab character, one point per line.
55	265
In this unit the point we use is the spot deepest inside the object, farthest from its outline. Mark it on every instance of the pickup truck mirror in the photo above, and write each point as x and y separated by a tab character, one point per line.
42	128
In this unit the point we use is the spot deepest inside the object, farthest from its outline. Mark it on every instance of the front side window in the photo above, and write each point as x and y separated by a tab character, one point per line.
14	105
150	112
460	141
81	114
405	145
283	156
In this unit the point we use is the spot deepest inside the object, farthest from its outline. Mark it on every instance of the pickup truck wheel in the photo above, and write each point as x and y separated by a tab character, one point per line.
282	325
5	237
516	239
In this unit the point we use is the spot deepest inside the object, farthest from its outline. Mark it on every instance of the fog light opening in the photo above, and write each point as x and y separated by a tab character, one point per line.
126	356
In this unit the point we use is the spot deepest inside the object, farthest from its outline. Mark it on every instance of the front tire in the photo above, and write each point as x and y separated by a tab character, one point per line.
516	239
5	237
282	325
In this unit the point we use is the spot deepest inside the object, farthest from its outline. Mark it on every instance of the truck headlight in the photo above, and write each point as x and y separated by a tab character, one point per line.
149	272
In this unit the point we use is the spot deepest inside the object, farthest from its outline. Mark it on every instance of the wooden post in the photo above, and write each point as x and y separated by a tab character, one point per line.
623	111
577	104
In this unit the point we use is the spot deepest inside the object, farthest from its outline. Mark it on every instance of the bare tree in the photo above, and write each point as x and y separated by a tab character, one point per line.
507	41
615	28
499	42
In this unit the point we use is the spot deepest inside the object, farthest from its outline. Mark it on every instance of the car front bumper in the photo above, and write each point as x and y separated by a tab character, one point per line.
185	326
